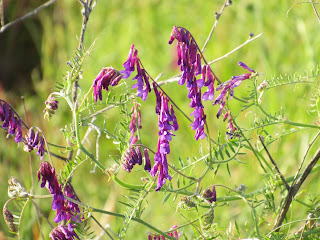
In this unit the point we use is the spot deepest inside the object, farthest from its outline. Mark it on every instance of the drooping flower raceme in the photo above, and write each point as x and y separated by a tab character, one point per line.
189	60
49	180
174	234
66	210
132	63
10	121
107	77
228	87
62	232
167	124
133	155
34	140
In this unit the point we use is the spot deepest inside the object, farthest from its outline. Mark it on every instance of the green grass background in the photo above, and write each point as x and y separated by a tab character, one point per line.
289	44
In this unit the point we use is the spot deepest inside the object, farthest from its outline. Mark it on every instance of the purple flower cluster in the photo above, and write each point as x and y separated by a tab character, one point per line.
10	121
34	140
171	234
66	210
51	107
229	86
107	77
50	181
167	124
143	84
62	232
190	64
132	155
69	210
210	195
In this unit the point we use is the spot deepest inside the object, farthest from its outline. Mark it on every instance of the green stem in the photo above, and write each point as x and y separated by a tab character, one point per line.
127	185
121	216
85	98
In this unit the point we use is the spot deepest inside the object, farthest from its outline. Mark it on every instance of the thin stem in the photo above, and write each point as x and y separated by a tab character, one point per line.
294	190
34	12
218	15
315	10
99	224
180	173
193	225
119	215
274	163
304	158
236	49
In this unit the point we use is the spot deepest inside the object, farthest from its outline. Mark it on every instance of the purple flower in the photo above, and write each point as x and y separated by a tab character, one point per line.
50	181
241	64
132	156
190	64
210	195
158	98
175	125
106	77
129	65
229	86
70	210
167	123
51	107
40	147
143	84
34	140
171	234
6	115
62	232
18	137
160	166
147	166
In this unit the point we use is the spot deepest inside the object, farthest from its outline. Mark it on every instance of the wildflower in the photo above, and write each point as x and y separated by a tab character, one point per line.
51	107
34	140
241	64
143	84
130	63
62	232
107	76
228	87
210	195
18	137
171	234
8	218
69	210
131	157
190	64
231	129
10	121
6	115
158	98
165	135
147	166
50	181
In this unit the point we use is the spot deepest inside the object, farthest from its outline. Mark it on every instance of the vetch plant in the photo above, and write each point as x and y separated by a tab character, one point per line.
149	168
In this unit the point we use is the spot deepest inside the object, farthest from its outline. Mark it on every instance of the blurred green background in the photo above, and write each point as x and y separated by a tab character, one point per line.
289	44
